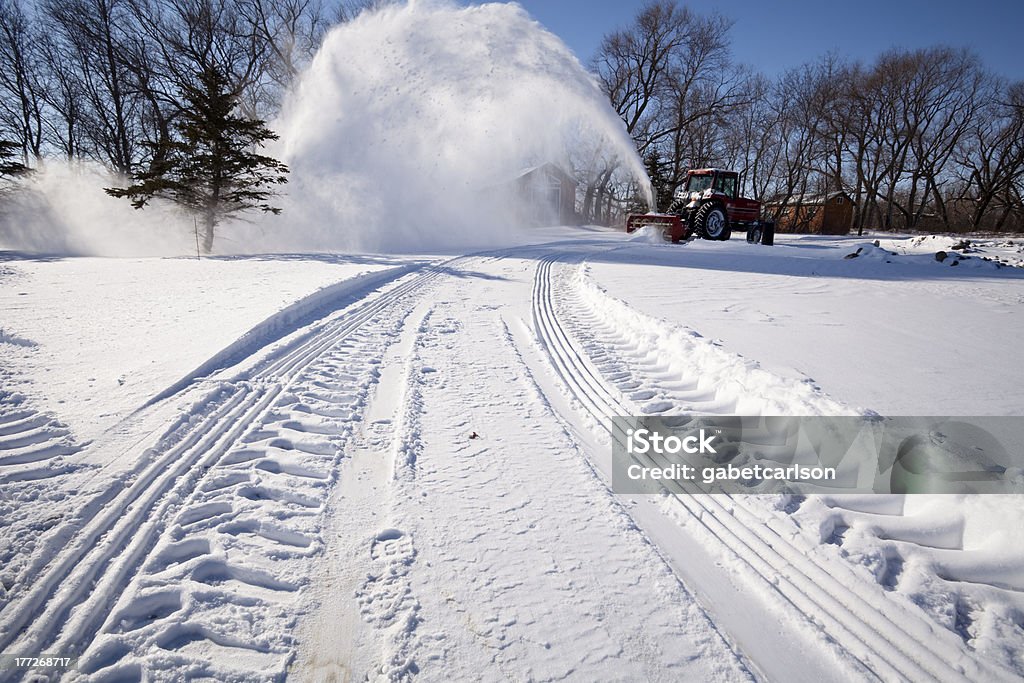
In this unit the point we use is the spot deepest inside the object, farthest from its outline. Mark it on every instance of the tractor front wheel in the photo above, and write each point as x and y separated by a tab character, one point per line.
712	223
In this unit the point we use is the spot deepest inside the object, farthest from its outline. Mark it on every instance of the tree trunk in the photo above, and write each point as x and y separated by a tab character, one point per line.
588	201
209	223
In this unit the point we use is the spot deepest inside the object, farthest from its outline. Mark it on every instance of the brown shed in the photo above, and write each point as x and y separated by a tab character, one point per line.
828	214
547	195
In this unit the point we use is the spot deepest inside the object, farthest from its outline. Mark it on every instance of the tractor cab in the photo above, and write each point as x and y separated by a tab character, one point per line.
721	182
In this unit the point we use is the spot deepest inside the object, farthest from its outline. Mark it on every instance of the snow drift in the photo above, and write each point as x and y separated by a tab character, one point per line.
411	124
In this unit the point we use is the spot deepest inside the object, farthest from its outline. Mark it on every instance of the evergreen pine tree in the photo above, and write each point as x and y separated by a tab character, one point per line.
659	182
211	167
9	164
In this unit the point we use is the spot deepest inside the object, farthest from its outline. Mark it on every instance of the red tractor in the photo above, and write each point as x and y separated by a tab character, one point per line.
708	206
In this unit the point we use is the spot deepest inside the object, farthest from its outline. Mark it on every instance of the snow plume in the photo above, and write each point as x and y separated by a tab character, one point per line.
60	208
411	123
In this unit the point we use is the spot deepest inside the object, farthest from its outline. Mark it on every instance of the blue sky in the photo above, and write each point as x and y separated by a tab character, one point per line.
774	35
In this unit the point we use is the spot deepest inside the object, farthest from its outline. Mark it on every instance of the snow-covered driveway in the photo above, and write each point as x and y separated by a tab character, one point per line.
407	476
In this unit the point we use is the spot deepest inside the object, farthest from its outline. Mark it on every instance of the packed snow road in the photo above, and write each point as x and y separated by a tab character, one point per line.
411	478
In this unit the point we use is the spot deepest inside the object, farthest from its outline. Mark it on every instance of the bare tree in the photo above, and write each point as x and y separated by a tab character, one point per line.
705	88
754	143
634	65
944	100
292	31
93	34
65	97
992	161
22	80
669	77
798	131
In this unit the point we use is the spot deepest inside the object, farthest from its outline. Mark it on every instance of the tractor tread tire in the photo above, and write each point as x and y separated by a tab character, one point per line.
700	222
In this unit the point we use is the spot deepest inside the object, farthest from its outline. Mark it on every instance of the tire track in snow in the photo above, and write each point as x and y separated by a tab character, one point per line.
365	613
526	568
34	450
967	592
78	587
241	547
888	640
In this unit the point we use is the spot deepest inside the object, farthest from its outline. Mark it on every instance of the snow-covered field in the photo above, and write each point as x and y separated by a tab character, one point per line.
345	467
93	338
891	330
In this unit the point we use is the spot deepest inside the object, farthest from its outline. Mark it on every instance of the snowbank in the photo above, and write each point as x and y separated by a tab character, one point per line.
978	252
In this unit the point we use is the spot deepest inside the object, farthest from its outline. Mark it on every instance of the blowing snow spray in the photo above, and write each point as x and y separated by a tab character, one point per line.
412	118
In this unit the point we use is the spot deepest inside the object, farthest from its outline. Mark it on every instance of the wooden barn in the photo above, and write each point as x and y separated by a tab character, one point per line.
547	195
828	214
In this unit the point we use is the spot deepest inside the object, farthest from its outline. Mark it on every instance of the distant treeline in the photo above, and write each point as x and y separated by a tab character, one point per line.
106	79
920	139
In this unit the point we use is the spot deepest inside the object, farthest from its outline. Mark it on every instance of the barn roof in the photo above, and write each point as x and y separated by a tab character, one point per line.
808	199
547	167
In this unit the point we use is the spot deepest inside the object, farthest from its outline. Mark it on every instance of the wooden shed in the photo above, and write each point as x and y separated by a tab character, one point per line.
827	214
547	195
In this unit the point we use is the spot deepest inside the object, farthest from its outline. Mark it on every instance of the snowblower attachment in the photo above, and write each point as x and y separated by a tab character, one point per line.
673	227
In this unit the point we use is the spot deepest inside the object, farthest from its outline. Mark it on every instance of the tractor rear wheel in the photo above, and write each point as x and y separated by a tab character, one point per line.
711	223
677	205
